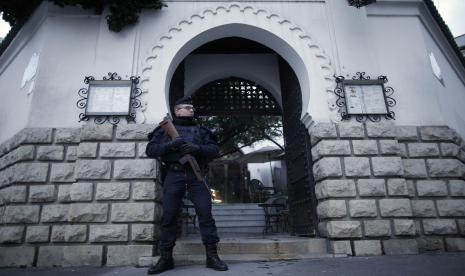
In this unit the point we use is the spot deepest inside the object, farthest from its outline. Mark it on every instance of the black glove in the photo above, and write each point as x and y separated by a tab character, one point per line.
175	144
190	148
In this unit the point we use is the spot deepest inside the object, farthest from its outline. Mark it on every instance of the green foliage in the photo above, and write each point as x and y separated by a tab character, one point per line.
122	12
236	132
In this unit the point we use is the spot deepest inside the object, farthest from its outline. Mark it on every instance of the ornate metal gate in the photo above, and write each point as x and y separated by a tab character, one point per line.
300	182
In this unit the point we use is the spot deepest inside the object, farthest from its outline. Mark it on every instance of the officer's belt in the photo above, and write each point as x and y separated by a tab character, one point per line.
179	167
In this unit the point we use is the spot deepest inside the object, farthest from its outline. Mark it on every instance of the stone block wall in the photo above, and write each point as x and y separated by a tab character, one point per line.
78	196
389	189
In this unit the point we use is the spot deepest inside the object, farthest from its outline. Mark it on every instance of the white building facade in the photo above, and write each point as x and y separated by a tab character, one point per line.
84	192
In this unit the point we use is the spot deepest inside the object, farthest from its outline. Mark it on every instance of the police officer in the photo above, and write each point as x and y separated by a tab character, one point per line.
201	143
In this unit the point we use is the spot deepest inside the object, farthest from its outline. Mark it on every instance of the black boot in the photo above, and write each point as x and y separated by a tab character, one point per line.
213	261
165	262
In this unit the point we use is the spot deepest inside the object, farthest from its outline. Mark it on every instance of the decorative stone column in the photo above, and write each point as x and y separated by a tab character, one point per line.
388	189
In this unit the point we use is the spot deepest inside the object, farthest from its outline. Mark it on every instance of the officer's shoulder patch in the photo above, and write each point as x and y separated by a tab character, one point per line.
158	131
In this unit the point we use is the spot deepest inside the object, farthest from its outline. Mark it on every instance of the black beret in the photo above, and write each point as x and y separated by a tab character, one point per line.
184	100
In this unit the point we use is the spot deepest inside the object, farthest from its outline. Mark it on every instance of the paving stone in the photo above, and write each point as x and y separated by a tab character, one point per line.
63	172
42	193
332	209
363	208
428	244
395	207
449	149
52	153
96	132
411	188
381	129
144	232
327	167
64	193
88	212
371	187
455	244
146	191
134	212
123	255
365	147
55	213
28	172
22	153
335	188
77	255
141	147
387	166
397	187
445	167
423	149
37	234
134	131
68	135
71	153
341	229
18	256
341	247
69	233
81	191
13	194
128	169
461	224
357	166
457	187
407	133
404	227
403	150
322	130
93	169
39	135
423	208
109	233
437	133
377	228
351	130
112	191
414	168
451	207
400	247
367	248
87	150
114	150
439	226
331	147
21	214
11	234
389	147
431	188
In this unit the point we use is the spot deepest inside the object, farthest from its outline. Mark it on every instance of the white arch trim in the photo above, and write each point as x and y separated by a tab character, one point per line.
310	63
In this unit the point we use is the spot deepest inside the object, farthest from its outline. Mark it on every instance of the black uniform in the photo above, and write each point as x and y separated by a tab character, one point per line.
181	177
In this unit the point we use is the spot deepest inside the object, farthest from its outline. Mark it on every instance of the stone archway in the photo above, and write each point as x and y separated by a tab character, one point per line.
312	66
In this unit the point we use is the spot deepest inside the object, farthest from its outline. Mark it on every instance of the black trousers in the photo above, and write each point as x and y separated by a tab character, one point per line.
175	185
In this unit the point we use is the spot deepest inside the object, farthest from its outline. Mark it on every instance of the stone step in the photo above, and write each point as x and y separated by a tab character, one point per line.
241	249
240	223
238	212
238	217
236	206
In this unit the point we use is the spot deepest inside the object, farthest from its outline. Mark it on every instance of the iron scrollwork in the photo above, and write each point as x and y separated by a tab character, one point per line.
135	103
361	78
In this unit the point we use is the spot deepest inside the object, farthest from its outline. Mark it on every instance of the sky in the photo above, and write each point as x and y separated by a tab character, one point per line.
452	11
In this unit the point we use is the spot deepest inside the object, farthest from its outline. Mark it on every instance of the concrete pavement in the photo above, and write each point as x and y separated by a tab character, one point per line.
449	264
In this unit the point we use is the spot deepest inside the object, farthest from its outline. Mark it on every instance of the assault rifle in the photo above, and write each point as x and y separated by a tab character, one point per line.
168	127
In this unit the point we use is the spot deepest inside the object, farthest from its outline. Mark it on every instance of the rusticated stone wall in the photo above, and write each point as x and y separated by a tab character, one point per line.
389	189
78	196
